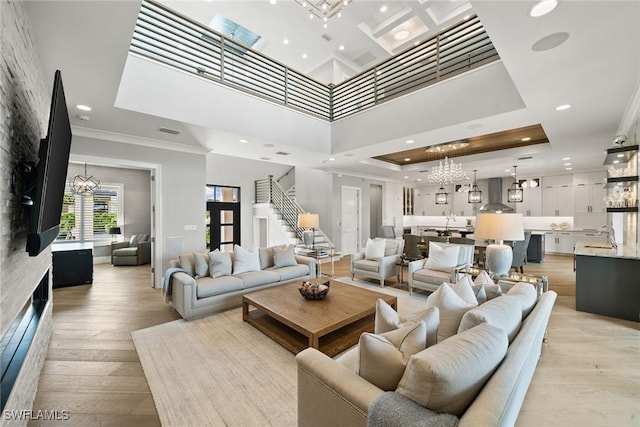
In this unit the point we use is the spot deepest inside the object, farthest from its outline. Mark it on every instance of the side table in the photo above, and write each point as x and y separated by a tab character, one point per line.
541	283
319	251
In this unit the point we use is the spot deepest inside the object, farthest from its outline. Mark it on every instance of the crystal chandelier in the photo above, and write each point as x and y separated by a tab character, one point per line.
84	185
447	172
324	9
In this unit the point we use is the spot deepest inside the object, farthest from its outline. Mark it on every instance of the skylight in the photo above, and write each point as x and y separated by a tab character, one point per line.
234	31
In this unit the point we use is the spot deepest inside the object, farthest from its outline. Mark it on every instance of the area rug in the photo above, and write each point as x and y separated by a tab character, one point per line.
220	371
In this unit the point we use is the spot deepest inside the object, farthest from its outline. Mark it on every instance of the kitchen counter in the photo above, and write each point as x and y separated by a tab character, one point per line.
607	280
588	248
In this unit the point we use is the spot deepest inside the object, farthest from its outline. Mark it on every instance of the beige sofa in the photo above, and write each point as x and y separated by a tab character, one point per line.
194	292
330	393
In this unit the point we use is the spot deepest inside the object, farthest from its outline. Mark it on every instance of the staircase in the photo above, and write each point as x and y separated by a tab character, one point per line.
285	209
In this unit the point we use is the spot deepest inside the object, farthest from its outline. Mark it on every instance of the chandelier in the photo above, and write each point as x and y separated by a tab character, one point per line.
324	9
515	193
447	172
84	185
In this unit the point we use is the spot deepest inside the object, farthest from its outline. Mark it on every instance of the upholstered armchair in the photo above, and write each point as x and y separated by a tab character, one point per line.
379	260
445	262
136	251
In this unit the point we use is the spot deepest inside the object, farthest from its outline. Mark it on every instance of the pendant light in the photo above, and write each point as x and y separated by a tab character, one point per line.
84	185
442	197
474	195
515	194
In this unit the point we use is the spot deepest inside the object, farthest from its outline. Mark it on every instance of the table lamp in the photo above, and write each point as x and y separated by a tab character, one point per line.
499	227
308	221
114	231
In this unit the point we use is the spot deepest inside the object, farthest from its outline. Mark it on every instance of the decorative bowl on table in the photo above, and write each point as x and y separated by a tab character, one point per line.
314	290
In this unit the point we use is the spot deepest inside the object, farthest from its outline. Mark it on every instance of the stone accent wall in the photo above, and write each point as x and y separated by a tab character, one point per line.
24	110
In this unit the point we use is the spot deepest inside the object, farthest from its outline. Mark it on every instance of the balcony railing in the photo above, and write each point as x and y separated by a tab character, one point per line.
172	39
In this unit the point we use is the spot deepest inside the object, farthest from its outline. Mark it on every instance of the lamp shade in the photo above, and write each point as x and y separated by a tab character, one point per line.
499	226
114	230
308	220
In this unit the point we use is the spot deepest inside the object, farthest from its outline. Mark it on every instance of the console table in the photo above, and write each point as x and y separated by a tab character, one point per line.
72	264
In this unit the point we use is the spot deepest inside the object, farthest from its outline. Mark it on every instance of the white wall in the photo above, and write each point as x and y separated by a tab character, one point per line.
237	172
180	179
313	194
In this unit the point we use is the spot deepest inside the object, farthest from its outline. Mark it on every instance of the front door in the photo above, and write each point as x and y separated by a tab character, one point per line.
223	217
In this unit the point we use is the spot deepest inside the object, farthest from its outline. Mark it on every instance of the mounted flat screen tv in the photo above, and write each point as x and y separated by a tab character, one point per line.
51	174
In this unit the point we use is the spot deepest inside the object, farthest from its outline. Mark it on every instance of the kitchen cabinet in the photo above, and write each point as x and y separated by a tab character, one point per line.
461	205
532	202
588	193
426	201
559	242
557	195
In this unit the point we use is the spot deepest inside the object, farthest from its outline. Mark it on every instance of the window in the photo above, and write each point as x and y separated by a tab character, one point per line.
88	218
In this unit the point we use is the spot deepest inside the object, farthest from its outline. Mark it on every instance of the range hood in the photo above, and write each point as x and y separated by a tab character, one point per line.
495	198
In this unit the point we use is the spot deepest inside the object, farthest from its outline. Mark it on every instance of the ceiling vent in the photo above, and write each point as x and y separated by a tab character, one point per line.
282	153
327	37
364	59
525	158
170	131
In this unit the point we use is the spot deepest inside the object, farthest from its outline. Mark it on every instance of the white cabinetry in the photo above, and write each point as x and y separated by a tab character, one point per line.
557	195
559	242
589	192
426	201
461	205
532	202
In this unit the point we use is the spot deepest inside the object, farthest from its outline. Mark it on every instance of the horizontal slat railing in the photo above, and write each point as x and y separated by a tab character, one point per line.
172	39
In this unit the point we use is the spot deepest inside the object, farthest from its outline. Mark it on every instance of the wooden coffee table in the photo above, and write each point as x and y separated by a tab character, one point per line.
330	325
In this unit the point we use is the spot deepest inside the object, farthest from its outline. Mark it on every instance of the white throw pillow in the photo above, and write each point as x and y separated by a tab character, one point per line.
374	249
447	377
481	294
382	358
464	290
387	319
245	260
442	258
483	279
452	307
492	291
219	264
284	256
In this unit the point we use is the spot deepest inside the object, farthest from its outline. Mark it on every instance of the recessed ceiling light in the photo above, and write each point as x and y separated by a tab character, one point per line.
401	35
566	158
616	161
83	107
507	170
244	141
304	56
410	141
542	8
620	155
341	47
285	41
408	159
332	158
406	177
567	164
273	1
383	8
568	169
526	139
419	179
563	107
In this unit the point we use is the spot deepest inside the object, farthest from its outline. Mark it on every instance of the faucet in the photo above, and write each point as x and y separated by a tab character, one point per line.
611	235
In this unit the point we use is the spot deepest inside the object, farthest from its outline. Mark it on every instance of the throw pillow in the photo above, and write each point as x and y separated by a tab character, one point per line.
387	319
245	260
464	289
492	291
187	263
201	262
527	294
451	306
374	249
442	258
483	278
284	256
266	257
382	358
447	377
504	312
219	264
480	293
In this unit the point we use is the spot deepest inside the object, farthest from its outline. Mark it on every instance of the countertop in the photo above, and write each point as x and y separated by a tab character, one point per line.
585	247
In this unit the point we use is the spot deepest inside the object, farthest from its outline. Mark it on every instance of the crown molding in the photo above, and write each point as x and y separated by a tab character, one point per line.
137	140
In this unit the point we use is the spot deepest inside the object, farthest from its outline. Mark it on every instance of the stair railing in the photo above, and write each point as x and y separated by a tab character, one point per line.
269	191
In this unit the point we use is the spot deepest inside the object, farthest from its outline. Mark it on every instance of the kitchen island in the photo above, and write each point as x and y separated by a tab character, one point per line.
608	280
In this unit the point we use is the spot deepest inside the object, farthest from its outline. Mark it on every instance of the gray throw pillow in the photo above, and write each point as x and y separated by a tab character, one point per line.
284	256
219	264
201	264
188	264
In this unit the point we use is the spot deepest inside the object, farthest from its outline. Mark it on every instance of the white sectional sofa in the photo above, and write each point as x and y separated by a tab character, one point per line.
331	393
200	284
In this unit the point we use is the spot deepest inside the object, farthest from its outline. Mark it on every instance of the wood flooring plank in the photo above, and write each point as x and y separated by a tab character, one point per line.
93	383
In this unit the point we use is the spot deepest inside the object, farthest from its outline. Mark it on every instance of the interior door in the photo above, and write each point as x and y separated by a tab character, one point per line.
350	219
225	225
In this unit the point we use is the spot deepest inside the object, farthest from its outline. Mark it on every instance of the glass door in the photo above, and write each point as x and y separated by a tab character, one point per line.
223	217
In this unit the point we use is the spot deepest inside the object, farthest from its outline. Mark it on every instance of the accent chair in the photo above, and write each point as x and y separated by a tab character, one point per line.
136	251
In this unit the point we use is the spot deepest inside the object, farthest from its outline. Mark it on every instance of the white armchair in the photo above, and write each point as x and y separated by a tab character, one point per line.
382	268
427	275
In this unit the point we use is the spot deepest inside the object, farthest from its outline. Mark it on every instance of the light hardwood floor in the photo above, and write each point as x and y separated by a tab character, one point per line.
93	371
